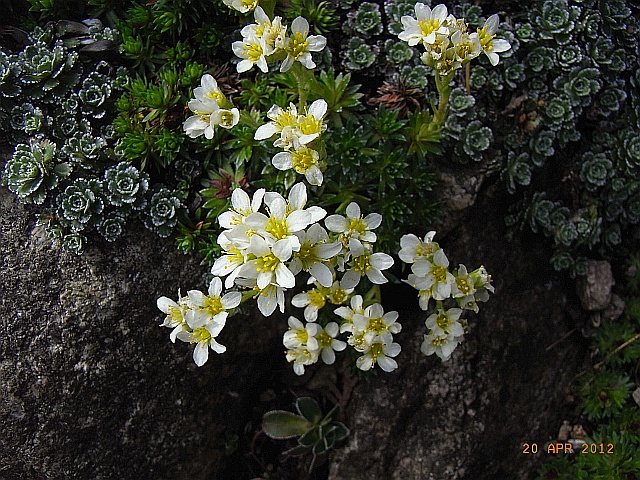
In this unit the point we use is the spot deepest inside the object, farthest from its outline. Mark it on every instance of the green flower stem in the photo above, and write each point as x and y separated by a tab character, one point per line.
443	84
374	295
303	77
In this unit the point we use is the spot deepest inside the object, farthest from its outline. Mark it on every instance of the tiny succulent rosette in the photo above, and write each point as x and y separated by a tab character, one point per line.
32	171
163	210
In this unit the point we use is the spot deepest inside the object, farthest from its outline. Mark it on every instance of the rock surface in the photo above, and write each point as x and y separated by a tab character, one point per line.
594	289
469	417
91	386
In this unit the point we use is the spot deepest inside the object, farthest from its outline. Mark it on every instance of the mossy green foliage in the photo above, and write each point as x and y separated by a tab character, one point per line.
605	394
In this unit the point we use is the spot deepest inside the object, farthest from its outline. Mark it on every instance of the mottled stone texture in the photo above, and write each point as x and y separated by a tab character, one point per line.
594	289
505	385
91	387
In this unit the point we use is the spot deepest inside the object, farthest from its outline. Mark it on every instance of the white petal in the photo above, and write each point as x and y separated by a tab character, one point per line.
322	274
284	277
350	280
201	354
336	223
298	196
282	160
353	210
318	108
381	261
265	131
387	364
376	276
373	220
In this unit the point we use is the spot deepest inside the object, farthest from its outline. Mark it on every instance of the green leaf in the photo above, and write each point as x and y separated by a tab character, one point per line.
310	438
280	424
309	409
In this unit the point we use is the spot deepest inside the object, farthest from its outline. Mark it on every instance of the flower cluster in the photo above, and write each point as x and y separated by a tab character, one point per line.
211	109
268	40
433	280
299	137
263	254
199	318
447	43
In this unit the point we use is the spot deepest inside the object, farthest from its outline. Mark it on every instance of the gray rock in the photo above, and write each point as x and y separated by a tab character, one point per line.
469	418
594	289
91	385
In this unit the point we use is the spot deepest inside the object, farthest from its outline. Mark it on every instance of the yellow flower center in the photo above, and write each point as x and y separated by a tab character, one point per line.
356	225
297	44
216	95
324	340
439	273
375	352
200	334
253	52
443	321
337	296
175	313
316	298
213	305
308	124
226	118
361	264
306	252
277	228
303	159
485	39
463	286
439	341
428	26
267	262
377	325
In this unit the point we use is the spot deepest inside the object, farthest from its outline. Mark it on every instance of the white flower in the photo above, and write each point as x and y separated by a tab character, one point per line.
373	319
301	357
243	6
268	266
413	249
354	226
175	314
363	262
225	118
311	301
337	295
300	335
442	345
209	90
466	47
286	218
251	50
272	33
303	160
299	45
279	119
490	45
241	207
229	264
309	124
380	350
211	307
347	313
443	323
328	344
315	250
433	275
427	24
200	123
205	337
